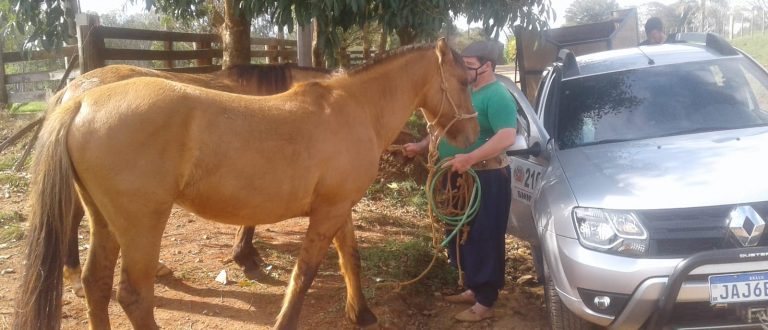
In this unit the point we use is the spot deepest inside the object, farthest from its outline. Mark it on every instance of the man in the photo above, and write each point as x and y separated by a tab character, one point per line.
654	32
482	253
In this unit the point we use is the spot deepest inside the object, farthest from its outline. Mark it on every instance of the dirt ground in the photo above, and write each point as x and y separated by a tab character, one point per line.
197	250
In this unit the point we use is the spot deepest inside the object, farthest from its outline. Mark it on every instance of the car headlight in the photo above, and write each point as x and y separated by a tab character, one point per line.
612	231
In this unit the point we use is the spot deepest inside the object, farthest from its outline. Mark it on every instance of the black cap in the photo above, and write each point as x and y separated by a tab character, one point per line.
653	23
487	50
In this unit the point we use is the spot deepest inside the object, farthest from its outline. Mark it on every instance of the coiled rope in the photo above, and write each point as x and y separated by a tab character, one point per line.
458	203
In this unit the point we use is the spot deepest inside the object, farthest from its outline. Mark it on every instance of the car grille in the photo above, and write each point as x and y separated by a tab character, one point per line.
682	232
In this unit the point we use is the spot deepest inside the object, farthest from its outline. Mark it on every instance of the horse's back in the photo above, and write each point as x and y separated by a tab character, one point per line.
227	157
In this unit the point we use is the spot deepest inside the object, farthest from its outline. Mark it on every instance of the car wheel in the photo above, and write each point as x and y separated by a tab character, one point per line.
560	317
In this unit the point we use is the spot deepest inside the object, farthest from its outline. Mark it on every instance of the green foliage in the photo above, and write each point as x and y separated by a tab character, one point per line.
495	15
403	261
411	21
11	228
464	39
416	125
12	181
406	192
11	38
42	22
756	47
589	11
27	108
511	52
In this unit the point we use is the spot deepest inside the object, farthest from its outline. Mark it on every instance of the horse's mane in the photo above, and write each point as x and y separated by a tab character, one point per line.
395	53
271	77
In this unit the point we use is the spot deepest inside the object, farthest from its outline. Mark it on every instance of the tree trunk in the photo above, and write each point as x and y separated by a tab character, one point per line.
317	53
235	35
366	42
304	45
71	9
406	36
383	42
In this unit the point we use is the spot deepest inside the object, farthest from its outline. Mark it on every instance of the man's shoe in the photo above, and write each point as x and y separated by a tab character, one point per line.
461	298
469	315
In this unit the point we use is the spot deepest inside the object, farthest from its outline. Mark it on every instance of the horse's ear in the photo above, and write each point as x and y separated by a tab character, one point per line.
443	50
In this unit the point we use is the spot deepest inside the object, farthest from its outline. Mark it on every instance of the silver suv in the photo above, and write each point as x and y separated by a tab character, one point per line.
641	180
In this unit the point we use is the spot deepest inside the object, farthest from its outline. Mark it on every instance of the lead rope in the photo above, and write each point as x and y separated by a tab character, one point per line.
457	199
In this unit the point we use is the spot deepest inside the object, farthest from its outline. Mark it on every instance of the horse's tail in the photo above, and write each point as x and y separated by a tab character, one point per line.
52	197
55	100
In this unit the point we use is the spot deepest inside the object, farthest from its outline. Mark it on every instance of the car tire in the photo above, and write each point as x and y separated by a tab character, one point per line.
560	317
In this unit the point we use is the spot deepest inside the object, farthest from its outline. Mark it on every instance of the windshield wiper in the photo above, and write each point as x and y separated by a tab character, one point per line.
699	130
605	141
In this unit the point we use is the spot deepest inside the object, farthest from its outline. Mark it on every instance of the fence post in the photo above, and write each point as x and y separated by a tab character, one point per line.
3	90
168	45
272	52
203	61
304	45
89	42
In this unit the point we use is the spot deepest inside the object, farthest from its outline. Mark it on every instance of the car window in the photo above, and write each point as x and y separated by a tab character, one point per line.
548	109
759	99
661	101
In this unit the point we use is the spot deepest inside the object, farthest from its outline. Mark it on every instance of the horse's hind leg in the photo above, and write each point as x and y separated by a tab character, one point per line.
323	225
72	261
99	269
244	253
139	236
349	262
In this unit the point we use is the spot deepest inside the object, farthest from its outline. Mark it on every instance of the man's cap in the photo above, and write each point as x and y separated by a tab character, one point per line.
654	23
489	50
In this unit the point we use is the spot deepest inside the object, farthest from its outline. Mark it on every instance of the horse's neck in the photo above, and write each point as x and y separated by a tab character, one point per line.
391	91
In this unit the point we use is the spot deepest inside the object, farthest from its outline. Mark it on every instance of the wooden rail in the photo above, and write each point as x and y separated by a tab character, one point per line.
94	53
20	80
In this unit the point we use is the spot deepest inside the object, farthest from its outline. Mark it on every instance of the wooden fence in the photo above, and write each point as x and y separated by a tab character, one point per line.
170	51
27	87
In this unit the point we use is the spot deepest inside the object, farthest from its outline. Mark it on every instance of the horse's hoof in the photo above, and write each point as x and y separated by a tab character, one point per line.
252	272
251	266
163	270
364	318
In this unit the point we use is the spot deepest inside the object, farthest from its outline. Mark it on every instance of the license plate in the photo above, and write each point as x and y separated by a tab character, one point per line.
738	288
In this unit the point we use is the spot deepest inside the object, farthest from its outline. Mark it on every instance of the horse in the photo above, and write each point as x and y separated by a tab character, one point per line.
133	149
240	79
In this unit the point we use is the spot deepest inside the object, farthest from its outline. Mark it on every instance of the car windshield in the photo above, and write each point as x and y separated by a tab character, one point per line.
662	101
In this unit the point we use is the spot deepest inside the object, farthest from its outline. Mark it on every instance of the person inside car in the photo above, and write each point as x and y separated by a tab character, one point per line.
654	32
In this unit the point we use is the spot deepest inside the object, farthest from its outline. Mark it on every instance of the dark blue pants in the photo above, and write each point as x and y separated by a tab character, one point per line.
482	254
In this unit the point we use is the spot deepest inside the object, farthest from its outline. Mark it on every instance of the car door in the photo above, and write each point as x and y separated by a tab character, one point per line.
528	160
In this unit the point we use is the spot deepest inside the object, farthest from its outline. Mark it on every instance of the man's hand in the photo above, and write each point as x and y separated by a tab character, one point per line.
412	149
460	163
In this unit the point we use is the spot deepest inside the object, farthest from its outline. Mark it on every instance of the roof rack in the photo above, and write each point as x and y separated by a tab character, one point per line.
710	40
568	59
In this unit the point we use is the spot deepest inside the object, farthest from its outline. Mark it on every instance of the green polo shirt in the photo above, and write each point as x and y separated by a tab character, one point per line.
496	110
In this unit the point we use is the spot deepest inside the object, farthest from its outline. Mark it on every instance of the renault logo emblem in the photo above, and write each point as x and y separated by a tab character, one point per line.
746	225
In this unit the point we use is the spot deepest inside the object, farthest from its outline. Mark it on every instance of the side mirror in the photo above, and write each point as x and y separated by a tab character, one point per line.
534	150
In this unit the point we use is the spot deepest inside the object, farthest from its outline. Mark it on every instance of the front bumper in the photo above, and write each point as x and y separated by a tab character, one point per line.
644	281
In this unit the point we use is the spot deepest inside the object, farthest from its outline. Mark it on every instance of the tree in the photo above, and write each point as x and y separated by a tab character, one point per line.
410	20
589	11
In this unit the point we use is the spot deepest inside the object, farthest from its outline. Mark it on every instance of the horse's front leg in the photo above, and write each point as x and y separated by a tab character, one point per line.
245	254
324	222
349	262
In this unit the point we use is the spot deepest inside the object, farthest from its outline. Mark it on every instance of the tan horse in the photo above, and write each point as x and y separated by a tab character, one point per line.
134	148
241	79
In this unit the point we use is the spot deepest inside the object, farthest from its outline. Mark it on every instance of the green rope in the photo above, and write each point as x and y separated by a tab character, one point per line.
456	221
